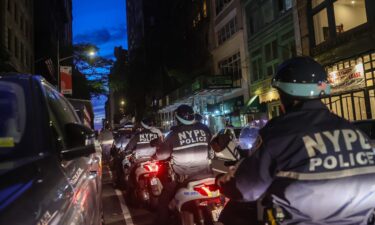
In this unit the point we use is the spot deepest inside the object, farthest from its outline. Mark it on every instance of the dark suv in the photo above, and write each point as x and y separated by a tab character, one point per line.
48	170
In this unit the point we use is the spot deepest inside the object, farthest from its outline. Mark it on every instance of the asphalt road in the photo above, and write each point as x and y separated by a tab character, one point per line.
115	209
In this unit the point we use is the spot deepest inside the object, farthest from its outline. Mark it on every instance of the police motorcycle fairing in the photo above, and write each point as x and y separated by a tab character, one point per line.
198	202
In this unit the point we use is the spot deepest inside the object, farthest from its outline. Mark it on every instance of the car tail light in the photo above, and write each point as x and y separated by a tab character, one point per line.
206	190
151	167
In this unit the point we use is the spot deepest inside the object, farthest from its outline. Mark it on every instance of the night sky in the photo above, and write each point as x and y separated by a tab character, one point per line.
102	23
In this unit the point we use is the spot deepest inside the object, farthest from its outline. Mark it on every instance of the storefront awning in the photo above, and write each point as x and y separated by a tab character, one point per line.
254	106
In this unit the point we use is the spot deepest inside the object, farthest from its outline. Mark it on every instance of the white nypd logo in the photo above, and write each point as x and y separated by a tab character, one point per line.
147	137
341	140
191	137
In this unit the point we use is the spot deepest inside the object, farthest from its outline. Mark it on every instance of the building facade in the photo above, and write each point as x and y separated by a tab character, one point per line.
17	35
340	35
270	40
53	37
228	50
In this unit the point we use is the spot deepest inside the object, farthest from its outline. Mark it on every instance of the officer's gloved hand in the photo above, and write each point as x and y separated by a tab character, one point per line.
225	177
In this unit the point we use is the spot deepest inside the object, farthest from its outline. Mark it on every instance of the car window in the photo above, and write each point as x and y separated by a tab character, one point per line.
61	113
12	113
61	107
14	119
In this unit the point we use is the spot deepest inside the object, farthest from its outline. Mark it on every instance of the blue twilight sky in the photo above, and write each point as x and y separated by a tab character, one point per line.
102	23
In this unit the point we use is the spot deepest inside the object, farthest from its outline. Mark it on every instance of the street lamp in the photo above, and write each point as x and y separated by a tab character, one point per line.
122	102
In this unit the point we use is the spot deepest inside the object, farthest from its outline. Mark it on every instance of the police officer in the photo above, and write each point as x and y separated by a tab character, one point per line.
317	167
187	147
140	142
140	146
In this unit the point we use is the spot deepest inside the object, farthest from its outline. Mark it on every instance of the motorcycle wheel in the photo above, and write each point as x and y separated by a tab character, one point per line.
187	218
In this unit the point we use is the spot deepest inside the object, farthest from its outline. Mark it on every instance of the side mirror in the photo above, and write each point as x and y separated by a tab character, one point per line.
220	142
80	141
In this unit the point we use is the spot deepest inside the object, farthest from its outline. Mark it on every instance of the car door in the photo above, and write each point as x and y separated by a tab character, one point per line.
83	206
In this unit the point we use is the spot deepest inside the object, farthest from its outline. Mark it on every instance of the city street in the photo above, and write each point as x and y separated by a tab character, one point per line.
115	209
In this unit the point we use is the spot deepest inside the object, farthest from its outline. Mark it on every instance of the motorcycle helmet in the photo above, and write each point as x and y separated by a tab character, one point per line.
301	78
185	115
147	123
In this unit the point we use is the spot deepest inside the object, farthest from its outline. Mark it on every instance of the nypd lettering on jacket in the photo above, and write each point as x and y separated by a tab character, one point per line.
338	149
147	137
188	137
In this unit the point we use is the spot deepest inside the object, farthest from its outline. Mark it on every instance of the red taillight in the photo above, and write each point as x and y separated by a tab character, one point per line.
206	190
151	167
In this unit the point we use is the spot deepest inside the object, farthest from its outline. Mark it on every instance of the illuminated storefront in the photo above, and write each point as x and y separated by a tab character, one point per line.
353	93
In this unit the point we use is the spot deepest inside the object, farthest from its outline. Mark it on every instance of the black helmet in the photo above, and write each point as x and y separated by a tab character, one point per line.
147	123
185	114
301	78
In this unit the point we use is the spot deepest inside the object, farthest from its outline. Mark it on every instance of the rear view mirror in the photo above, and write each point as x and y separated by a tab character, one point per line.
220	142
80	141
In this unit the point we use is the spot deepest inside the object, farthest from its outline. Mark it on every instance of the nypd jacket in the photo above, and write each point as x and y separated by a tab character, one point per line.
140	143
188	148
316	166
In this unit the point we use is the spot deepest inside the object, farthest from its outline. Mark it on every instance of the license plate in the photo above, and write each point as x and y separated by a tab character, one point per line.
154	181
216	213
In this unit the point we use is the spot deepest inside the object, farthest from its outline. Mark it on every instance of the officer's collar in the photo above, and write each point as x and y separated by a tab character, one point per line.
312	105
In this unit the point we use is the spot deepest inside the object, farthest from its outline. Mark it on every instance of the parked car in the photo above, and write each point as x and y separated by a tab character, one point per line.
48	161
368	127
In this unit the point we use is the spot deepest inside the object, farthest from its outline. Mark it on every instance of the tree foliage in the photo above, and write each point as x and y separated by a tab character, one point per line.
95	68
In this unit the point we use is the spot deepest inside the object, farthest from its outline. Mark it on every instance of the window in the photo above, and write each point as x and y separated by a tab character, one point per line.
267	11
284	5
321	26
256	66
349	14
271	51
61	111
232	66
220	5
227	31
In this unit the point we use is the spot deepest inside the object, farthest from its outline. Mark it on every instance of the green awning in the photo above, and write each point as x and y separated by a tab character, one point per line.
254	106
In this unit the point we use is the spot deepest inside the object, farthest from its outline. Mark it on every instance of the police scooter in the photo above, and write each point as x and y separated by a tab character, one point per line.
225	144
198	202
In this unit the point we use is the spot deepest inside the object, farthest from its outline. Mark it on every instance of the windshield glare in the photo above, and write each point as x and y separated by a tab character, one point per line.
12	114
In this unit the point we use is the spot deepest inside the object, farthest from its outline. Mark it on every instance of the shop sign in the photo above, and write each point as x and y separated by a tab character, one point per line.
347	79
214	82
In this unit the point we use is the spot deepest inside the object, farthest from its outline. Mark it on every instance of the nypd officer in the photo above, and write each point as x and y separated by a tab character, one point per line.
187	148
140	146
317	167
